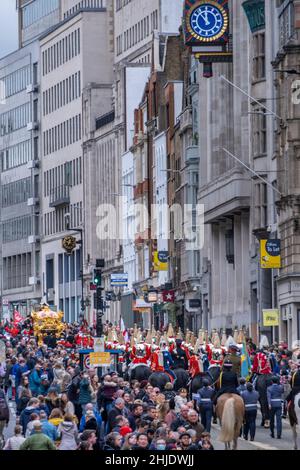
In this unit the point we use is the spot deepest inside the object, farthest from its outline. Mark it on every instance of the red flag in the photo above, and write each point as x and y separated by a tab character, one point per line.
169	296
17	317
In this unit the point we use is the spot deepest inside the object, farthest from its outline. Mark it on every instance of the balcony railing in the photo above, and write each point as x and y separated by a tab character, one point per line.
60	196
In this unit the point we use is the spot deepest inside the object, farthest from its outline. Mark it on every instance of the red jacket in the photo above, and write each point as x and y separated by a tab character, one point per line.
157	362
194	366
261	364
140	360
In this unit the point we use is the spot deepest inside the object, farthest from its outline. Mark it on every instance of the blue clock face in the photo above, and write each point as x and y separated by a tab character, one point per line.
207	21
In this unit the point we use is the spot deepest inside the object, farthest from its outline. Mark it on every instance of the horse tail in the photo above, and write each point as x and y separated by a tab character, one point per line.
228	421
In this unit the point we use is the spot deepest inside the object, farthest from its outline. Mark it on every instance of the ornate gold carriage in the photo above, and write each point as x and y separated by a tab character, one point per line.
47	321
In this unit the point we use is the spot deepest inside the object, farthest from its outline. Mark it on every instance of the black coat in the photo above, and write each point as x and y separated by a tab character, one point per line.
228	382
111	419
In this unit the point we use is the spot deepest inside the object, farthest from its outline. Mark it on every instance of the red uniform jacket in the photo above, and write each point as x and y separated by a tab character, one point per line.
157	362
261	364
138	359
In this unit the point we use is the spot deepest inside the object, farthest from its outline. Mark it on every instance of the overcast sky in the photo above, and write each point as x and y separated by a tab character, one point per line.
8	27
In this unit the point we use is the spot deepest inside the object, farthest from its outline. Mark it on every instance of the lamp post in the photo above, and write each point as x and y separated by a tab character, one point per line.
69	244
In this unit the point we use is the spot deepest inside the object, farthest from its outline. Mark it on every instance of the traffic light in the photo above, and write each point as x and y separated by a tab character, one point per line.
98	300
97	277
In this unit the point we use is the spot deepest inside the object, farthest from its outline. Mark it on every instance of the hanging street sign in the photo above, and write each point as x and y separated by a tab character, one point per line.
270	254
271	317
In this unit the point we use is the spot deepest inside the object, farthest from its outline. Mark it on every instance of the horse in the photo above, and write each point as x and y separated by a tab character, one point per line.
140	372
230	411
294	417
262	382
160	379
212	375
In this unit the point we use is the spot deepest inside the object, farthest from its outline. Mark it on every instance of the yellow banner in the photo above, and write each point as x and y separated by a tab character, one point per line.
160	261
270	254
99	359
271	317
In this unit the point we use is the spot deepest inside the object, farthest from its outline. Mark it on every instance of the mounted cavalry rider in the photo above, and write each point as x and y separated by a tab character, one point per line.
234	357
261	364
228	380
140	354
162	360
215	352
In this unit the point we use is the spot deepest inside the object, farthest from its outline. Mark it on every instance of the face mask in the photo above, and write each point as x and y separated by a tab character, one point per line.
161	447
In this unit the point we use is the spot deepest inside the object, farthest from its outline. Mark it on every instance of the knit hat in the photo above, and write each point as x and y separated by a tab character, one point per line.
125	430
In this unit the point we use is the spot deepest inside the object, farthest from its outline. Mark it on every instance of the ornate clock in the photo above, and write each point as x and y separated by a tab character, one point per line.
207	21
69	244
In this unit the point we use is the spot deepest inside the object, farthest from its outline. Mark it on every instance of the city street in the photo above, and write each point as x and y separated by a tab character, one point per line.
263	440
149	222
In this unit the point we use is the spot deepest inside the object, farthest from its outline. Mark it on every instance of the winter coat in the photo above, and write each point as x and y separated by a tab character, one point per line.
55	421
14	443
38	441
34	382
51	405
73	390
179	402
196	427
84	392
25	417
83	421
69	436
49	429
22	403
69	409
111	420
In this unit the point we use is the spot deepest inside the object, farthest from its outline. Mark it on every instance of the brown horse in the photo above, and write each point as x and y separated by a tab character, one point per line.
230	411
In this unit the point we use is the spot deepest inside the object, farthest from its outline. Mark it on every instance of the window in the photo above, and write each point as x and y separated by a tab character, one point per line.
16	155
62	135
37	10
286	21
16	193
16	82
62	51
259	59
260	204
16	229
15	119
259	132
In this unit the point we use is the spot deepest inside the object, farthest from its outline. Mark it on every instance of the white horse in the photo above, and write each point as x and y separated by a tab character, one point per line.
295	419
